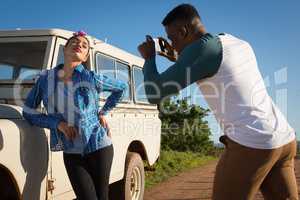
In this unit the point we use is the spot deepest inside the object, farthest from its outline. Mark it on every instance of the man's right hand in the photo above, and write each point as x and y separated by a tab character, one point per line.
69	131
170	53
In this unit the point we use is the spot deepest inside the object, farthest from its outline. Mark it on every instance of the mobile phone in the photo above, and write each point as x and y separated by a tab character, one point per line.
160	45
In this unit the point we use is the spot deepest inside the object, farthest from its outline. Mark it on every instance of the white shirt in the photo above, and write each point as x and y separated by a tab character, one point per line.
239	100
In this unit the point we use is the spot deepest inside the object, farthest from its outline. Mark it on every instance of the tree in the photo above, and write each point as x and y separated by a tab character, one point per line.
184	127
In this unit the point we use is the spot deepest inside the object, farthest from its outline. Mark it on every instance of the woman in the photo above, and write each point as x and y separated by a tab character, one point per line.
70	94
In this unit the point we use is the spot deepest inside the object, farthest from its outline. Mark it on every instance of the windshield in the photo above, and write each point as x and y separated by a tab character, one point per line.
21	59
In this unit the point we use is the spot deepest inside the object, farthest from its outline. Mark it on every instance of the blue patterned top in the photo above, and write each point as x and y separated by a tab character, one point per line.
64	95
84	90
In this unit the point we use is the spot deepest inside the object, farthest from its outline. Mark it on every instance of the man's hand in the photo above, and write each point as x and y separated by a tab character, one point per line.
104	123
147	48
69	131
170	54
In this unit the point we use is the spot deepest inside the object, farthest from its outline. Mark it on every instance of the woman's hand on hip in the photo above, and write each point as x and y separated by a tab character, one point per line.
104	123
69	131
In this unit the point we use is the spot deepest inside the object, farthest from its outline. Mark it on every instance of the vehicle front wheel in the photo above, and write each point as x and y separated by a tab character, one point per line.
133	185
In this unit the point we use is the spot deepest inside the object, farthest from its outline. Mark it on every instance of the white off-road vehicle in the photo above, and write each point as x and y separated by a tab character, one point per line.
28	169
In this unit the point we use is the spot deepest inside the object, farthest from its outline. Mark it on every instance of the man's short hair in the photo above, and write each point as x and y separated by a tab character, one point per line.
184	12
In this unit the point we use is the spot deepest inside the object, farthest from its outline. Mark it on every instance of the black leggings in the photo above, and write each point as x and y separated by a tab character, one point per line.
89	174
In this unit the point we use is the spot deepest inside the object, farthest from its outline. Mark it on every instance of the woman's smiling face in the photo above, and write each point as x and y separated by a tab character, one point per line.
77	49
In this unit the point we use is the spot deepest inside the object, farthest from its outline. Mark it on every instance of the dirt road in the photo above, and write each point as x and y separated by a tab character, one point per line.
193	185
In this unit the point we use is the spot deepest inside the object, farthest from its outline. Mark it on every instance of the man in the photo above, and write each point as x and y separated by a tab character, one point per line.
260	144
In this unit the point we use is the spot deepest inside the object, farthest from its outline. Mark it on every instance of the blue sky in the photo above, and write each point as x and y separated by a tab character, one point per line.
271	27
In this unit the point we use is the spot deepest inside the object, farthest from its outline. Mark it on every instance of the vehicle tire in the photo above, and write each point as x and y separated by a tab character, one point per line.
7	189
133	184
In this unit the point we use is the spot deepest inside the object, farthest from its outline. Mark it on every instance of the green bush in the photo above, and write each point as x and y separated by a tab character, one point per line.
185	141
184	128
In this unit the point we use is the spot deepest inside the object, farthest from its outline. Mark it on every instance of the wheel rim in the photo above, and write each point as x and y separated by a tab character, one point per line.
135	184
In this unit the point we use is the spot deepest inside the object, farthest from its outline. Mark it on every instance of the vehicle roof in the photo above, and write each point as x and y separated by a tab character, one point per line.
67	34
35	32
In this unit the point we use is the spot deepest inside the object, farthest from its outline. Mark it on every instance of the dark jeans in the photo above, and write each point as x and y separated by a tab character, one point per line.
89	174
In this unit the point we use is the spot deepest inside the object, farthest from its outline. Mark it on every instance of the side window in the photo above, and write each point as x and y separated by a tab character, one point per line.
6	71
139	86
28	73
60	56
123	73
105	66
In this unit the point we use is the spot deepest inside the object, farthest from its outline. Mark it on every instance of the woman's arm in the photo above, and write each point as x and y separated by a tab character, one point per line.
116	87
30	113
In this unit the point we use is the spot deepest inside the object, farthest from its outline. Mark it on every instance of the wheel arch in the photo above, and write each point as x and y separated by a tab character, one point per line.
6	175
138	147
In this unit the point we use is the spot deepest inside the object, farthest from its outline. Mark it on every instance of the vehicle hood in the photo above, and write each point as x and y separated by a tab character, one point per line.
10	111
